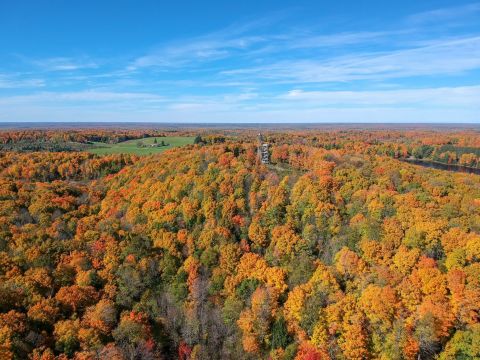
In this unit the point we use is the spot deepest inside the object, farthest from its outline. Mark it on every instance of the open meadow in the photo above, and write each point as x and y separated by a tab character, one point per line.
132	146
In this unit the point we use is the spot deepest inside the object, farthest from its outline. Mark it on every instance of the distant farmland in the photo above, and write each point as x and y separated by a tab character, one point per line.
132	146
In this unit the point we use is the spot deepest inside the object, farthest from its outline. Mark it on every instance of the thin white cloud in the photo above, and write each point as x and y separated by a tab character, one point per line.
80	97
444	15
194	51
465	96
214	103
439	58
14	82
342	39
213	46
220	46
63	64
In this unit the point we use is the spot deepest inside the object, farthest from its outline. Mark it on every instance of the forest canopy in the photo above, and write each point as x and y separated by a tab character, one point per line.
335	250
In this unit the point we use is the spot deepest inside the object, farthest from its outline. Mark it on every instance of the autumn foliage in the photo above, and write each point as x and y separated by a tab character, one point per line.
337	250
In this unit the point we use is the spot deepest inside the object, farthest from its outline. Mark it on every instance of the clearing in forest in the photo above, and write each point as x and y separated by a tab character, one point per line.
145	146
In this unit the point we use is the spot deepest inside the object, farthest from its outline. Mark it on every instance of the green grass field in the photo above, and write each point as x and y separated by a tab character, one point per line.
130	146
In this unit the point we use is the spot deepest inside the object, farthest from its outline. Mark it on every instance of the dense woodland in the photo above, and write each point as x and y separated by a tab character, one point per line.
335	250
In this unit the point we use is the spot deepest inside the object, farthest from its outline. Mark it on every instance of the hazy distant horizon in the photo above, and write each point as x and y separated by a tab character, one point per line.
227	125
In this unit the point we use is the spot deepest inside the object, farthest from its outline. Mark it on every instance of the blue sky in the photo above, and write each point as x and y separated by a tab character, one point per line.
240	61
